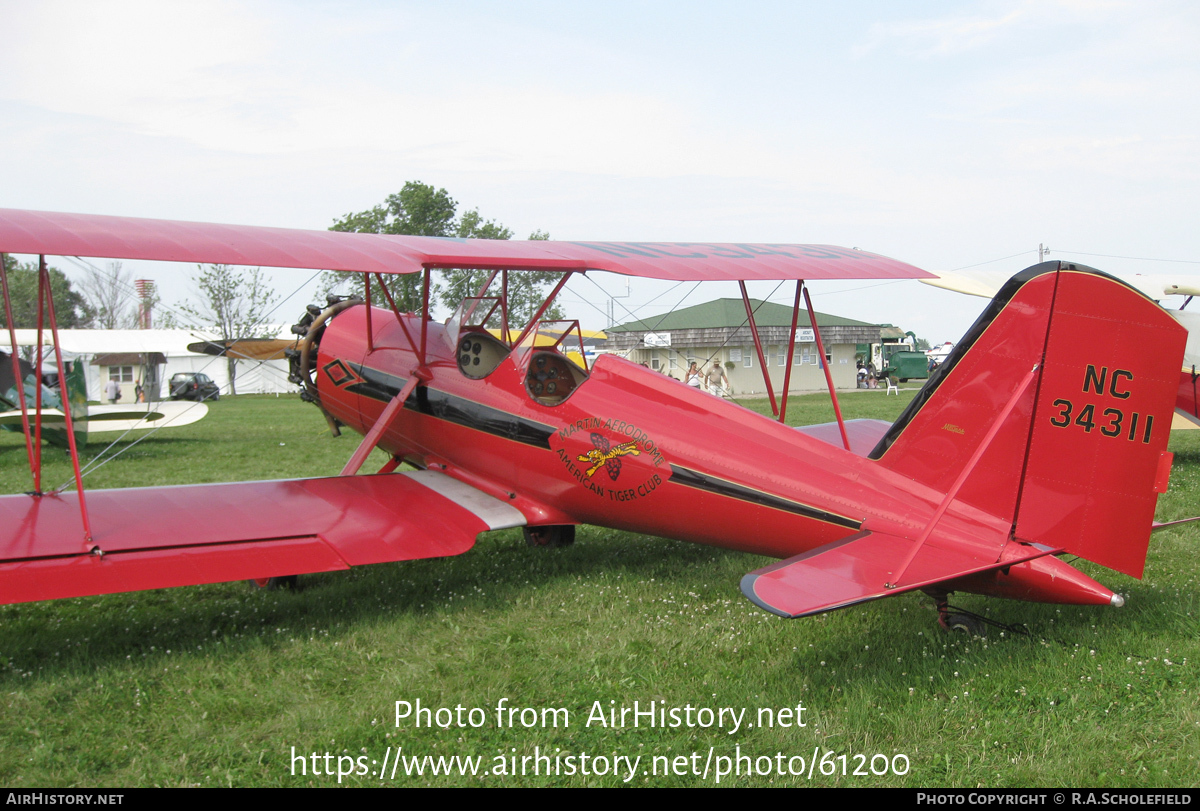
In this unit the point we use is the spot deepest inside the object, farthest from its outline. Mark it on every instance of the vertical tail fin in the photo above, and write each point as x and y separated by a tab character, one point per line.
1078	462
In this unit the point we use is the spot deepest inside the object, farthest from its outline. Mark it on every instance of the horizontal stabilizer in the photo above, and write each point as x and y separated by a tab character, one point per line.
864	435
859	568
157	537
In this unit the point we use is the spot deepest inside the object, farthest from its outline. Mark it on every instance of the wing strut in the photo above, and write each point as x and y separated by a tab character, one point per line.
33	439
370	304
385	419
837	410
545	305
399	320
17	376
424	315
791	353
762	361
62	376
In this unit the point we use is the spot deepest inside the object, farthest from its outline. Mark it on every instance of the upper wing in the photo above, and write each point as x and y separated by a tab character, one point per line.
38	232
157	537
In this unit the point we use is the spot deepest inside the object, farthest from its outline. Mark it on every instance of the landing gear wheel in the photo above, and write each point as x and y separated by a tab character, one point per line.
964	623
554	537
956	621
274	583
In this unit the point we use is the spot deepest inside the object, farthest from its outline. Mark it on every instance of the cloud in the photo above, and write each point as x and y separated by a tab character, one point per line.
943	36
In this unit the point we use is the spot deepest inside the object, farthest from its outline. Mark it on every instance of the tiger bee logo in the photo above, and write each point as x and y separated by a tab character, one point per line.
607	456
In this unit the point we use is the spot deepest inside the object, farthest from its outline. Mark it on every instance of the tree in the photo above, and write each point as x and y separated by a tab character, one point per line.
419	209
111	296
458	284
416	210
232	302
528	289
70	309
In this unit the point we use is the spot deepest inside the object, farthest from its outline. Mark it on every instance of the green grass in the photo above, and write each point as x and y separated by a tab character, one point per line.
214	685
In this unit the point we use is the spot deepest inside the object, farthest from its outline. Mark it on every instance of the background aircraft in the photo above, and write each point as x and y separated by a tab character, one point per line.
87	419
1044	433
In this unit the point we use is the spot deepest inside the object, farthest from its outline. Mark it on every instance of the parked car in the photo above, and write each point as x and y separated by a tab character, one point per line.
193	386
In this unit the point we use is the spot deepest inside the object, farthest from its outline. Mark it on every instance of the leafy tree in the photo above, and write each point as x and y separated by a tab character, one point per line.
528	289
111	296
419	209
416	210
231	302
458	284
70	309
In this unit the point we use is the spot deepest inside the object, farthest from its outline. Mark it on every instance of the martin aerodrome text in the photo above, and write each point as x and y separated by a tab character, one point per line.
613	715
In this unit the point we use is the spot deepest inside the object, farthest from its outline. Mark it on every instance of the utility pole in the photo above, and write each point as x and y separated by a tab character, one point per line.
1042	251
612	305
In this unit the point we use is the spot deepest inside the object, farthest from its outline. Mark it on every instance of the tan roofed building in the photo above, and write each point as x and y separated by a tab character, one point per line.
719	330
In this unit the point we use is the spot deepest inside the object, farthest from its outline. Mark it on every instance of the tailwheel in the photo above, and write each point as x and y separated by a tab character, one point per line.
963	623
957	621
960	620
554	537
275	583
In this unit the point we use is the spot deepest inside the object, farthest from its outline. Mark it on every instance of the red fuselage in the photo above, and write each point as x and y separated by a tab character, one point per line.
633	449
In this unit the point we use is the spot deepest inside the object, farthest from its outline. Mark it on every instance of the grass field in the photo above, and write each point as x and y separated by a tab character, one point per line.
223	685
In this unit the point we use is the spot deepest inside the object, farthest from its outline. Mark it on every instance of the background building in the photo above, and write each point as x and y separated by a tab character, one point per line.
719	330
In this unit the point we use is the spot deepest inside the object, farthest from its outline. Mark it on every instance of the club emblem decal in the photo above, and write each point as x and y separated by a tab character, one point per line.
607	456
633	465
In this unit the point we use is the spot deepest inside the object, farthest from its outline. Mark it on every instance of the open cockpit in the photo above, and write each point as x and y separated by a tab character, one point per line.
548	354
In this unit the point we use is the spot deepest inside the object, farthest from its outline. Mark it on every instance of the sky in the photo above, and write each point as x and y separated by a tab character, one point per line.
947	135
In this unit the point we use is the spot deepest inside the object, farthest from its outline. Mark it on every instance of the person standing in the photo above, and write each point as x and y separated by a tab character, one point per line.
112	391
718	382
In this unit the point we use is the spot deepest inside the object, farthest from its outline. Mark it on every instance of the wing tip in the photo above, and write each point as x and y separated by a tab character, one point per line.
747	585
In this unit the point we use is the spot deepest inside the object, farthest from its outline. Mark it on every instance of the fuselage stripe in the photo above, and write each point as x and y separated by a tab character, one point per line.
721	487
383	387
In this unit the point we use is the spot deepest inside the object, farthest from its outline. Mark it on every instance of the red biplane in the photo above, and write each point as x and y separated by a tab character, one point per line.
1044	433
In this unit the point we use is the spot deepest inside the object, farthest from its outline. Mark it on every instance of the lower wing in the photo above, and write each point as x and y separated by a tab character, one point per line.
158	537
